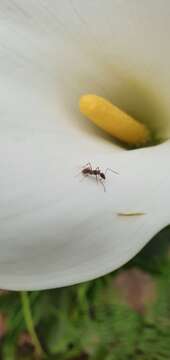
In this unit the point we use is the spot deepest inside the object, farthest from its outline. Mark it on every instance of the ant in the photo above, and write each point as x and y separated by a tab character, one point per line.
88	170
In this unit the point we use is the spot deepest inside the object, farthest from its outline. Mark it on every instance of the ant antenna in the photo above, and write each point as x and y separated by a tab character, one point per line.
109	169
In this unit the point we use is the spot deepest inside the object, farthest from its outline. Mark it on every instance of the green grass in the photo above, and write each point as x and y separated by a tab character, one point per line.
88	321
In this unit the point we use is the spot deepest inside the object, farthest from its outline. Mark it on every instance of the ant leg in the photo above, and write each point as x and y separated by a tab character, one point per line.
109	169
86	165
101	182
97	176
80	172
84	176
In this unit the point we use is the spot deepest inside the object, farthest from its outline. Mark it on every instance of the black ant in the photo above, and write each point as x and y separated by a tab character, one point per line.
88	170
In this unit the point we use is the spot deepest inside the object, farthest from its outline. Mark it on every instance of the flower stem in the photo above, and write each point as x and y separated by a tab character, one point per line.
29	323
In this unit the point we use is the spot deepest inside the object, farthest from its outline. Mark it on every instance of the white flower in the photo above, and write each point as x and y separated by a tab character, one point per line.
56	229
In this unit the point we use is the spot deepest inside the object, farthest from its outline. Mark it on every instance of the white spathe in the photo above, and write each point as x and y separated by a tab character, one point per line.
55	229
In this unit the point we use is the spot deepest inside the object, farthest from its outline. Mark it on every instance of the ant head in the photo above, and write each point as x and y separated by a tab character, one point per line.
103	176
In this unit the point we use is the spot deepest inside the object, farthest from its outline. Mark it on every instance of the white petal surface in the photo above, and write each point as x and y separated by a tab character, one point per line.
55	229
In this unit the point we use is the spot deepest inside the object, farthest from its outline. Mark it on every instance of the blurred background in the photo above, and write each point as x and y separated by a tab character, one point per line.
122	316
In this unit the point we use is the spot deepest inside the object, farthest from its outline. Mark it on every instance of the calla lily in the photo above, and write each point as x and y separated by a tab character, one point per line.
57	230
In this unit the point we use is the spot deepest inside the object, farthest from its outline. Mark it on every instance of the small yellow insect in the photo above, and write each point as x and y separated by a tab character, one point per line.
130	213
